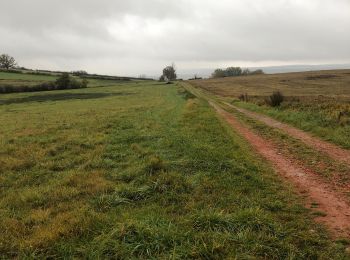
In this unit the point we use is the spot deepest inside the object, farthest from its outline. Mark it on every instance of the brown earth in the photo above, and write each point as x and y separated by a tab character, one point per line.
318	193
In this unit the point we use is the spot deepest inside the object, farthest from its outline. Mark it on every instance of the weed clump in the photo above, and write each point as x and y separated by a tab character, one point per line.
344	118
172	183
155	164
134	193
212	221
124	195
107	201
243	97
275	99
251	219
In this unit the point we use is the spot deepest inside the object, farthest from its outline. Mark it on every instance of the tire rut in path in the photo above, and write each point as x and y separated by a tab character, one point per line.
331	150
333	204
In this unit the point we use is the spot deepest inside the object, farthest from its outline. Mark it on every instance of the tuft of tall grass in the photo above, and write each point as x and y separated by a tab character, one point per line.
155	164
276	99
252	219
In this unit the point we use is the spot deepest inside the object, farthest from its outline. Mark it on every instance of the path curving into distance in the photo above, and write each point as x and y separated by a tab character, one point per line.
330	202
333	151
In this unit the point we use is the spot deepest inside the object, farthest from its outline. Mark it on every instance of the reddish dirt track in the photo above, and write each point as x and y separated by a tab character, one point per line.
330	202
331	150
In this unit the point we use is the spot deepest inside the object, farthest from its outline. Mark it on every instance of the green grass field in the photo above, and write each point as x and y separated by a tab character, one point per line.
317	102
141	170
27	79
23	79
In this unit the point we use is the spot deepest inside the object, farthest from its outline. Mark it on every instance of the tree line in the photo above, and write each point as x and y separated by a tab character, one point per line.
235	72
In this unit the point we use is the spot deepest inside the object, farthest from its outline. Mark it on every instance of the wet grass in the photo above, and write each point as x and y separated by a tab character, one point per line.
150	175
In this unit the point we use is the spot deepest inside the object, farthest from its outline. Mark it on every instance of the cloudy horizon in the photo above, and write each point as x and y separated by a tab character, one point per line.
140	37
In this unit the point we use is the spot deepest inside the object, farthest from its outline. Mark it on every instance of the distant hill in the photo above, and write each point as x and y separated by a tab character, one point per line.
300	68
186	74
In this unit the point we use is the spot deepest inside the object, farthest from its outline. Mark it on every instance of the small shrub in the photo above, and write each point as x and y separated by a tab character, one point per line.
344	118
275	99
243	97
63	81
84	83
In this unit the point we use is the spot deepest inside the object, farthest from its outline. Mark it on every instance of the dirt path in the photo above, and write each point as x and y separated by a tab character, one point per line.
331	150
330	202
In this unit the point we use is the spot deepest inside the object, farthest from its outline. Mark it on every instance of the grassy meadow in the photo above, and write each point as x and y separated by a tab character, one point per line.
26	79
318	101
141	170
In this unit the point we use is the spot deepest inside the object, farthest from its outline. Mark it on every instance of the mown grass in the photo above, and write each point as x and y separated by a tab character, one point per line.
144	171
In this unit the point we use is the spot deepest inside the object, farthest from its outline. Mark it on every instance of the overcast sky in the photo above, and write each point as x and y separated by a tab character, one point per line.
133	37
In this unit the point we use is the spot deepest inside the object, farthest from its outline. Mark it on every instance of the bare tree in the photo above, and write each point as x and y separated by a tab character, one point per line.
7	62
169	73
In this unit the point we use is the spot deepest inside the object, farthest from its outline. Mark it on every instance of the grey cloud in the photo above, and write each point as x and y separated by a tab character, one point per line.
137	36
